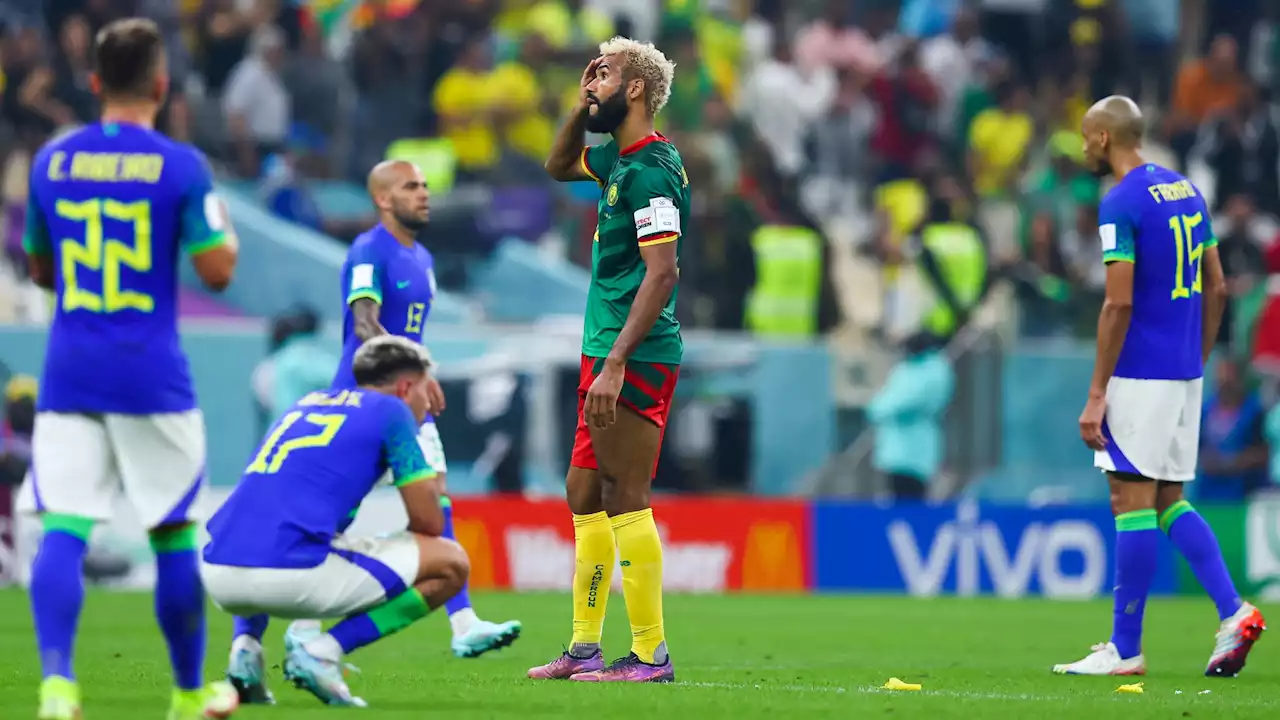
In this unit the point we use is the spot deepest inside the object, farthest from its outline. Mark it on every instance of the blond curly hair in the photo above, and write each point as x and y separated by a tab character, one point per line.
645	62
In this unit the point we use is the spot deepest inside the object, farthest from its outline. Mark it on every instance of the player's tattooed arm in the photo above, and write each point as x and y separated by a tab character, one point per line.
365	312
1214	296
660	276
565	161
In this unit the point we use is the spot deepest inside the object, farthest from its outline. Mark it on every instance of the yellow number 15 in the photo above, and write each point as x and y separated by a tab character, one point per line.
105	255
1188	251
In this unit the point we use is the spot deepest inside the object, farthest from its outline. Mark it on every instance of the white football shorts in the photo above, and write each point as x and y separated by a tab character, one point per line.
1152	428
432	450
82	464
358	574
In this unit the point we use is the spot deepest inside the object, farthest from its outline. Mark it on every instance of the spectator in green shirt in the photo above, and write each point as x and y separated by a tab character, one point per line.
1061	189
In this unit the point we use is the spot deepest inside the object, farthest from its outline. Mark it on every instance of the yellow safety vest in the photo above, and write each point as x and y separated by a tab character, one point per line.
962	265
784	301
433	156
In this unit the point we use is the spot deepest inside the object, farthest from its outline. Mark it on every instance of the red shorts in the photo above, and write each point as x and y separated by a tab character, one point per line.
647	388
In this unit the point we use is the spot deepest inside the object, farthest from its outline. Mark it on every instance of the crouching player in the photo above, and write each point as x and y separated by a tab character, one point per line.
274	546
388	287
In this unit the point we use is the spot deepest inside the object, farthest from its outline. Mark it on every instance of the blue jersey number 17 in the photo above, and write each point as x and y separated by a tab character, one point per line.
1189	252
274	452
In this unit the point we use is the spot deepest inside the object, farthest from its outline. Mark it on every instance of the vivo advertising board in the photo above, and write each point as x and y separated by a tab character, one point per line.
967	549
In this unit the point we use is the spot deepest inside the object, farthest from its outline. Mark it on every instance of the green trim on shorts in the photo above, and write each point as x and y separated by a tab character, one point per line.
637	397
649	373
1173	512
399	612
174	541
445	502
1136	520
73	525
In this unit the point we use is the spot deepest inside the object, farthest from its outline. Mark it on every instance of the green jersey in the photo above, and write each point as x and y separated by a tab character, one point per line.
644	201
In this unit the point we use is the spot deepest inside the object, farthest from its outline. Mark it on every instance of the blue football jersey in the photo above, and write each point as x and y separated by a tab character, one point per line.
400	279
1157	220
315	467
113	206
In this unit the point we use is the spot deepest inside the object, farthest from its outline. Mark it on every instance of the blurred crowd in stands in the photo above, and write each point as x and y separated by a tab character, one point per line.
890	165
866	122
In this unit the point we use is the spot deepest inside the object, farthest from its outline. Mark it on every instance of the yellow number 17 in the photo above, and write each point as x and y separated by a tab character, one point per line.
105	255
1189	252
273	452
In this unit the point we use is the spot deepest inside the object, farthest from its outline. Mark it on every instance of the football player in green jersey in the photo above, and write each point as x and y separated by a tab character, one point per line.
631	352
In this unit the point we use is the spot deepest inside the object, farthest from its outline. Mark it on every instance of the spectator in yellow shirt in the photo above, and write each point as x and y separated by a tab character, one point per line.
998	142
467	106
523	100
568	24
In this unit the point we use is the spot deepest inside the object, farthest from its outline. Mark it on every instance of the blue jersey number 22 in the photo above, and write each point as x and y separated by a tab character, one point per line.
105	255
1189	252
274	453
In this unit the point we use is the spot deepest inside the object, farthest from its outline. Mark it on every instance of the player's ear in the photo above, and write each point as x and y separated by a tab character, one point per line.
95	83
635	89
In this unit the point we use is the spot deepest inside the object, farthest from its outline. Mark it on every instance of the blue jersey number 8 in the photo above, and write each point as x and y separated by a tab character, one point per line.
1189	252
105	255
274	453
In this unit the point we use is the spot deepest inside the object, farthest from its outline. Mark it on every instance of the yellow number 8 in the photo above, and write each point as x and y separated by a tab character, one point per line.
105	255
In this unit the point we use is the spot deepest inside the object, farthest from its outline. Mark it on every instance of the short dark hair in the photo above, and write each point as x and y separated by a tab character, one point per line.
129	54
381	359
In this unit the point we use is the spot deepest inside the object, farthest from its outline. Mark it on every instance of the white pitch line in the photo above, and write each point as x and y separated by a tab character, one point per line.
870	690
960	694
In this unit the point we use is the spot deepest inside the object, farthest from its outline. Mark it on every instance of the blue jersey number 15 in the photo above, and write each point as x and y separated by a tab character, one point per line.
274	452
105	255
1189	252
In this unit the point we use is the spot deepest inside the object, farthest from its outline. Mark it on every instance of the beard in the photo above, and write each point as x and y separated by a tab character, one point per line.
609	114
1101	169
410	221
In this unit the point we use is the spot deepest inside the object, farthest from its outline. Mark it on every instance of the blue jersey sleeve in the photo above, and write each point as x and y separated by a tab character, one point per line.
1211	238
35	236
364	274
204	215
402	453
1116	229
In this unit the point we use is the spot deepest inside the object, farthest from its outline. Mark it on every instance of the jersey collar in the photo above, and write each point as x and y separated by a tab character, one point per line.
633	147
381	231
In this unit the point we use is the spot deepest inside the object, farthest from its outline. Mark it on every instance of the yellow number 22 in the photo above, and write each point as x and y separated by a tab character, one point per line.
1188	251
266	464
105	255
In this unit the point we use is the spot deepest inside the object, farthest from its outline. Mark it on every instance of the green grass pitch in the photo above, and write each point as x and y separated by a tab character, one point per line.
736	657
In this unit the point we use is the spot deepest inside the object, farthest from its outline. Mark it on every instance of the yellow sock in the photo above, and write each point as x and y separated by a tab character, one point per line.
592	575
640	553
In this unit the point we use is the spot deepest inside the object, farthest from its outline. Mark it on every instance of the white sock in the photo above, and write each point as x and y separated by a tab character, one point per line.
302	627
246	642
325	647
462	621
